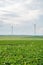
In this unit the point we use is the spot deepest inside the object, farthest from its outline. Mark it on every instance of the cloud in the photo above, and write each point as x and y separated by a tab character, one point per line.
11	14
20	11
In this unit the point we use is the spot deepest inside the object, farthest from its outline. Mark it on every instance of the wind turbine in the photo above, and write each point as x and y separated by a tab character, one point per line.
12	27
35	29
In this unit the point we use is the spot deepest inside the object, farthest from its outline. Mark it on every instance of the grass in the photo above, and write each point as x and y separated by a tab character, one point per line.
21	52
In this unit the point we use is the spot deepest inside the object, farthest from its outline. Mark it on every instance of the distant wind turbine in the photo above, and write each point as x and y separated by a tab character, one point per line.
12	29
34	29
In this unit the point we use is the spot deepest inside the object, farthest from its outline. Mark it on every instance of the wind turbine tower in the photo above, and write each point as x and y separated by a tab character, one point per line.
11	29
34	29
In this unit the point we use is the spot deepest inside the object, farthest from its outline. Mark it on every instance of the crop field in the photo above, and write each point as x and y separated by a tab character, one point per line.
21	50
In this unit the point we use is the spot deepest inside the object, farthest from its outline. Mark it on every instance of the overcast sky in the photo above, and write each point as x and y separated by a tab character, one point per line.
22	14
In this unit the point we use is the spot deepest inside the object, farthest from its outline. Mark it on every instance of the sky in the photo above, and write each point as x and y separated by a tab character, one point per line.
22	14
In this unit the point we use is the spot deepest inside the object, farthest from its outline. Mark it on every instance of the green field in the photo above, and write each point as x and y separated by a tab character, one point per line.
20	37
22	50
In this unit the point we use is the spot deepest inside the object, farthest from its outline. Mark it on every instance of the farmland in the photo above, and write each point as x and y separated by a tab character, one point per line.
22	50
